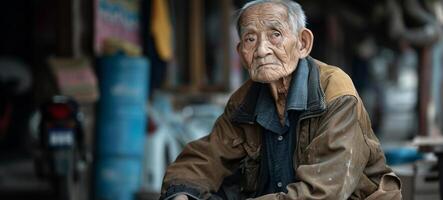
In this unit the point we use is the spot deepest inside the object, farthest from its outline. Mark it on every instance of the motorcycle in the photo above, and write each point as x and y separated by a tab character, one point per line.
62	156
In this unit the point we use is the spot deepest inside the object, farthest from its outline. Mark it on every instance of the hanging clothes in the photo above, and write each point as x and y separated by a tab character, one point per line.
161	29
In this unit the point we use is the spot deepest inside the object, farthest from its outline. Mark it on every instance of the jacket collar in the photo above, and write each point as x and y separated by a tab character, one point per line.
245	113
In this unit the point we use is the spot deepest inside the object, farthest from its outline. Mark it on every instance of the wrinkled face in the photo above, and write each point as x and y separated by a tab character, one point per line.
268	46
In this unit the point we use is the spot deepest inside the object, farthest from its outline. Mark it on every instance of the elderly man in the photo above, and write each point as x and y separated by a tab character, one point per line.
296	130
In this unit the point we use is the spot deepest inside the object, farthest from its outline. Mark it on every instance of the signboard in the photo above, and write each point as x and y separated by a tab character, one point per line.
75	78
118	19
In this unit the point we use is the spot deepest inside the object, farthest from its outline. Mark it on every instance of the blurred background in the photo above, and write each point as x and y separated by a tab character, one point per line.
98	97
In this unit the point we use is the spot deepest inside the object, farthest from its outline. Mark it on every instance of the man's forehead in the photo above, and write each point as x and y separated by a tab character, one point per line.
265	11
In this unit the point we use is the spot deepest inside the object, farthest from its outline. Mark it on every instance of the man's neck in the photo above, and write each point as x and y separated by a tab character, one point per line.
279	90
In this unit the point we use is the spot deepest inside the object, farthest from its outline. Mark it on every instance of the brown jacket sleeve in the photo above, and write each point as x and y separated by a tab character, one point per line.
336	157
203	164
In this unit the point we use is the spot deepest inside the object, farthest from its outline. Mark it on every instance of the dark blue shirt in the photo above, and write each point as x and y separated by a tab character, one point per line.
279	140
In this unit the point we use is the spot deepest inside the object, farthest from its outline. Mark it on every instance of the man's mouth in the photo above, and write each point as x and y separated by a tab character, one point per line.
264	64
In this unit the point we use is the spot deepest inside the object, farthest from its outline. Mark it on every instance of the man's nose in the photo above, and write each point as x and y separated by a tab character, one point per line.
263	49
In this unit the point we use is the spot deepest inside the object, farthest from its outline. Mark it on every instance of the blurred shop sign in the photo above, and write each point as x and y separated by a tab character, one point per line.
116	19
75	78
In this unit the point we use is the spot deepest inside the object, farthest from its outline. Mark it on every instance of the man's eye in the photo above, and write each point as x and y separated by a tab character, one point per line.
250	39
276	34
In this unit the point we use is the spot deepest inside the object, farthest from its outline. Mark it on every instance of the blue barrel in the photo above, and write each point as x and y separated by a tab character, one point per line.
118	178
121	126
122	118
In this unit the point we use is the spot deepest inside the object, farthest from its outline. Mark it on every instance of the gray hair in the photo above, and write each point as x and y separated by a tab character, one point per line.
296	15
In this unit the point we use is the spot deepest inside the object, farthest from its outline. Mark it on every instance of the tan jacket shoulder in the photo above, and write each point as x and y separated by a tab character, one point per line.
335	82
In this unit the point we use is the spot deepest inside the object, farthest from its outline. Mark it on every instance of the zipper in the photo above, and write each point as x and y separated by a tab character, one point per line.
301	118
261	172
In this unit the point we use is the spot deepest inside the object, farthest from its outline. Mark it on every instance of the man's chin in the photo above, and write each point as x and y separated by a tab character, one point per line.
267	76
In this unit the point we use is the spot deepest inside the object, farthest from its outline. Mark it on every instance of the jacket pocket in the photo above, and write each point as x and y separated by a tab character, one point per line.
250	169
389	189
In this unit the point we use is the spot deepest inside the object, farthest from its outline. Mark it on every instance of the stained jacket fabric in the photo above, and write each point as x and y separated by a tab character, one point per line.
337	155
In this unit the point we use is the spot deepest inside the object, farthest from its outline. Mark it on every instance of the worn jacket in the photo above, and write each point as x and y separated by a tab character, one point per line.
337	155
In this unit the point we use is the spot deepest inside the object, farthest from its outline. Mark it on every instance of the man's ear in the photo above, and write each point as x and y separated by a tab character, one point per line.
306	39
